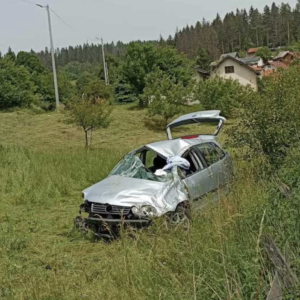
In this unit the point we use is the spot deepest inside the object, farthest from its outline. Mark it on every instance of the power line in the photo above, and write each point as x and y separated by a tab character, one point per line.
63	21
28	2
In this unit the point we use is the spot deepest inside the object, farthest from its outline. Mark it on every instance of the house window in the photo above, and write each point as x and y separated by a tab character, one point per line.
229	70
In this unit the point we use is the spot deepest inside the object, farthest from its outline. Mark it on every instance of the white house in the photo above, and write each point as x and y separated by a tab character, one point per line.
233	68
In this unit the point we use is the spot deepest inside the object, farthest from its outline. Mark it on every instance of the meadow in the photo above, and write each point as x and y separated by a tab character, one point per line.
43	169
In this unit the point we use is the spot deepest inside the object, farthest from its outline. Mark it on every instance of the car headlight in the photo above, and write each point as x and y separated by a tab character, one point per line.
144	211
135	210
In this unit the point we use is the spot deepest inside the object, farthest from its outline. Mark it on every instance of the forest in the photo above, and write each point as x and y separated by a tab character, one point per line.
275	26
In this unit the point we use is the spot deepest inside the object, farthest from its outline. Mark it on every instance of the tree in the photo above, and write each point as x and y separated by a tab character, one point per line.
144	59
16	87
203	60
90	116
31	62
10	54
97	90
139	62
84	79
264	53
165	96
123	93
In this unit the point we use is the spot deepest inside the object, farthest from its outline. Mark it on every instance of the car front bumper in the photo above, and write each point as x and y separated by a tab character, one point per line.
117	222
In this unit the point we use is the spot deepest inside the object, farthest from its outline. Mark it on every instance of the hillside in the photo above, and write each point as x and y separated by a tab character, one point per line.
44	167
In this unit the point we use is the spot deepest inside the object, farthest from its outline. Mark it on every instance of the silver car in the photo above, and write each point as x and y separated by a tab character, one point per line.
138	189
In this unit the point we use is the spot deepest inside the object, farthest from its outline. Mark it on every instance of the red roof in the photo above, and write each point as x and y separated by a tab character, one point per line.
252	50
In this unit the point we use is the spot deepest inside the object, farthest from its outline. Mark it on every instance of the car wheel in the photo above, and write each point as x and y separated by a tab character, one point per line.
182	215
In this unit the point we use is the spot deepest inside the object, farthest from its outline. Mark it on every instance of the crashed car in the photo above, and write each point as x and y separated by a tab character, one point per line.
158	179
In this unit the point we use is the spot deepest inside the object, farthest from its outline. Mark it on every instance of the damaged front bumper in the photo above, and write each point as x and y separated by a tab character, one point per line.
117	222
106	220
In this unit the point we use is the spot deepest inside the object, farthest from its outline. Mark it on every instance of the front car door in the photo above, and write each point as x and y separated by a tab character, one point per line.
198	180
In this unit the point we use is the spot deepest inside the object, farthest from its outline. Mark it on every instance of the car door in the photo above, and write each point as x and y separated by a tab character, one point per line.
226	171
214	164
198	179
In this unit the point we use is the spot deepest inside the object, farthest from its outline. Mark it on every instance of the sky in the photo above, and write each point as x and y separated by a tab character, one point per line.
24	26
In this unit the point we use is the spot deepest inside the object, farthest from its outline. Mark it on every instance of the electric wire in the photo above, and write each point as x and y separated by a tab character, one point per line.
28	2
63	21
60	18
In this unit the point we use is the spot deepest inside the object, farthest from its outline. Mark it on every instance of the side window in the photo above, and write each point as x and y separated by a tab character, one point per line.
190	157
221	153
209	153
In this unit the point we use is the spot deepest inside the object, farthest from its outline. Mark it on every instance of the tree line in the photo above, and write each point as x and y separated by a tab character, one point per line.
86	53
277	25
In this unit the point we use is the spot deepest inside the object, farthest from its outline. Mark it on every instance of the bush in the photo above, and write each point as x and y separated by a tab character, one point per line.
221	94
269	122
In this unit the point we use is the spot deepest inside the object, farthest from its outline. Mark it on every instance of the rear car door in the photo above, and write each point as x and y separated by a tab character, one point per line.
226	171
218	163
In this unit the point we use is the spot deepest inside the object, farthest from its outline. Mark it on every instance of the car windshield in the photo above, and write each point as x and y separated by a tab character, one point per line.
131	166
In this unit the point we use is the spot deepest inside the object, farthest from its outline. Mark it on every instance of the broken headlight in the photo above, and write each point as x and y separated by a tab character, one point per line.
144	211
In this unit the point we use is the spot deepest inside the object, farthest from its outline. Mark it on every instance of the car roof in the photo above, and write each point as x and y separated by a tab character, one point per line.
177	147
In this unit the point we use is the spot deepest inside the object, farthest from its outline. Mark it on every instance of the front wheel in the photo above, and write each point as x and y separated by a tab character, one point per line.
182	215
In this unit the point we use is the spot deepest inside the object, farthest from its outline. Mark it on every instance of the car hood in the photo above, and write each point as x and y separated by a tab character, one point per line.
125	191
118	190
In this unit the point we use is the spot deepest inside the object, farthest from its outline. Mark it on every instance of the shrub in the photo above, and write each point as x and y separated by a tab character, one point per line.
221	94
269	122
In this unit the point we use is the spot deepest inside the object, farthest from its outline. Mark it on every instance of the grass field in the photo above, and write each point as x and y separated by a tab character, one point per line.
44	167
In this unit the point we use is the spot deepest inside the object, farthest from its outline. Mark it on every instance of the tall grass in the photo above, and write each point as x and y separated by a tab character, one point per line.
43	257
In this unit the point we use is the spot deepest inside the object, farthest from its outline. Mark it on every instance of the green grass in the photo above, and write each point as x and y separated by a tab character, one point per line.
43	168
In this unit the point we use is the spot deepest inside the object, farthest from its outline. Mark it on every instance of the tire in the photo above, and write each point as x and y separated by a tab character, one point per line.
182	215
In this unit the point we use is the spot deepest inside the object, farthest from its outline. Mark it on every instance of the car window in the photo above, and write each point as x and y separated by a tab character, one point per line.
193	159
151	160
209	153
221	153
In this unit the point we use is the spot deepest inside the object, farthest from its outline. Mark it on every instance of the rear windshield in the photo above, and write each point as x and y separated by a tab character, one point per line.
194	130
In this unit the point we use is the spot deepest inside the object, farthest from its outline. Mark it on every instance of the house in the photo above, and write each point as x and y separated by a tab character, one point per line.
252	61
285	57
201	75
232	68
252	52
272	66
232	54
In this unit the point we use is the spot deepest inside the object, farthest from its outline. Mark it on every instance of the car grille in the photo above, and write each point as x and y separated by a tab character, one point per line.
107	209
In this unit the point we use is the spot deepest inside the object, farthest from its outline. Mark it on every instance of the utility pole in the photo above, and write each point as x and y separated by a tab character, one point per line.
52	55
53	59
104	64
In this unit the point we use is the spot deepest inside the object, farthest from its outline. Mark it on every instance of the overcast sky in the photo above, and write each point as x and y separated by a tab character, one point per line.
24	26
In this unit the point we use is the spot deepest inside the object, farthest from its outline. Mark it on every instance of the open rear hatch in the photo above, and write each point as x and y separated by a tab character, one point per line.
201	117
